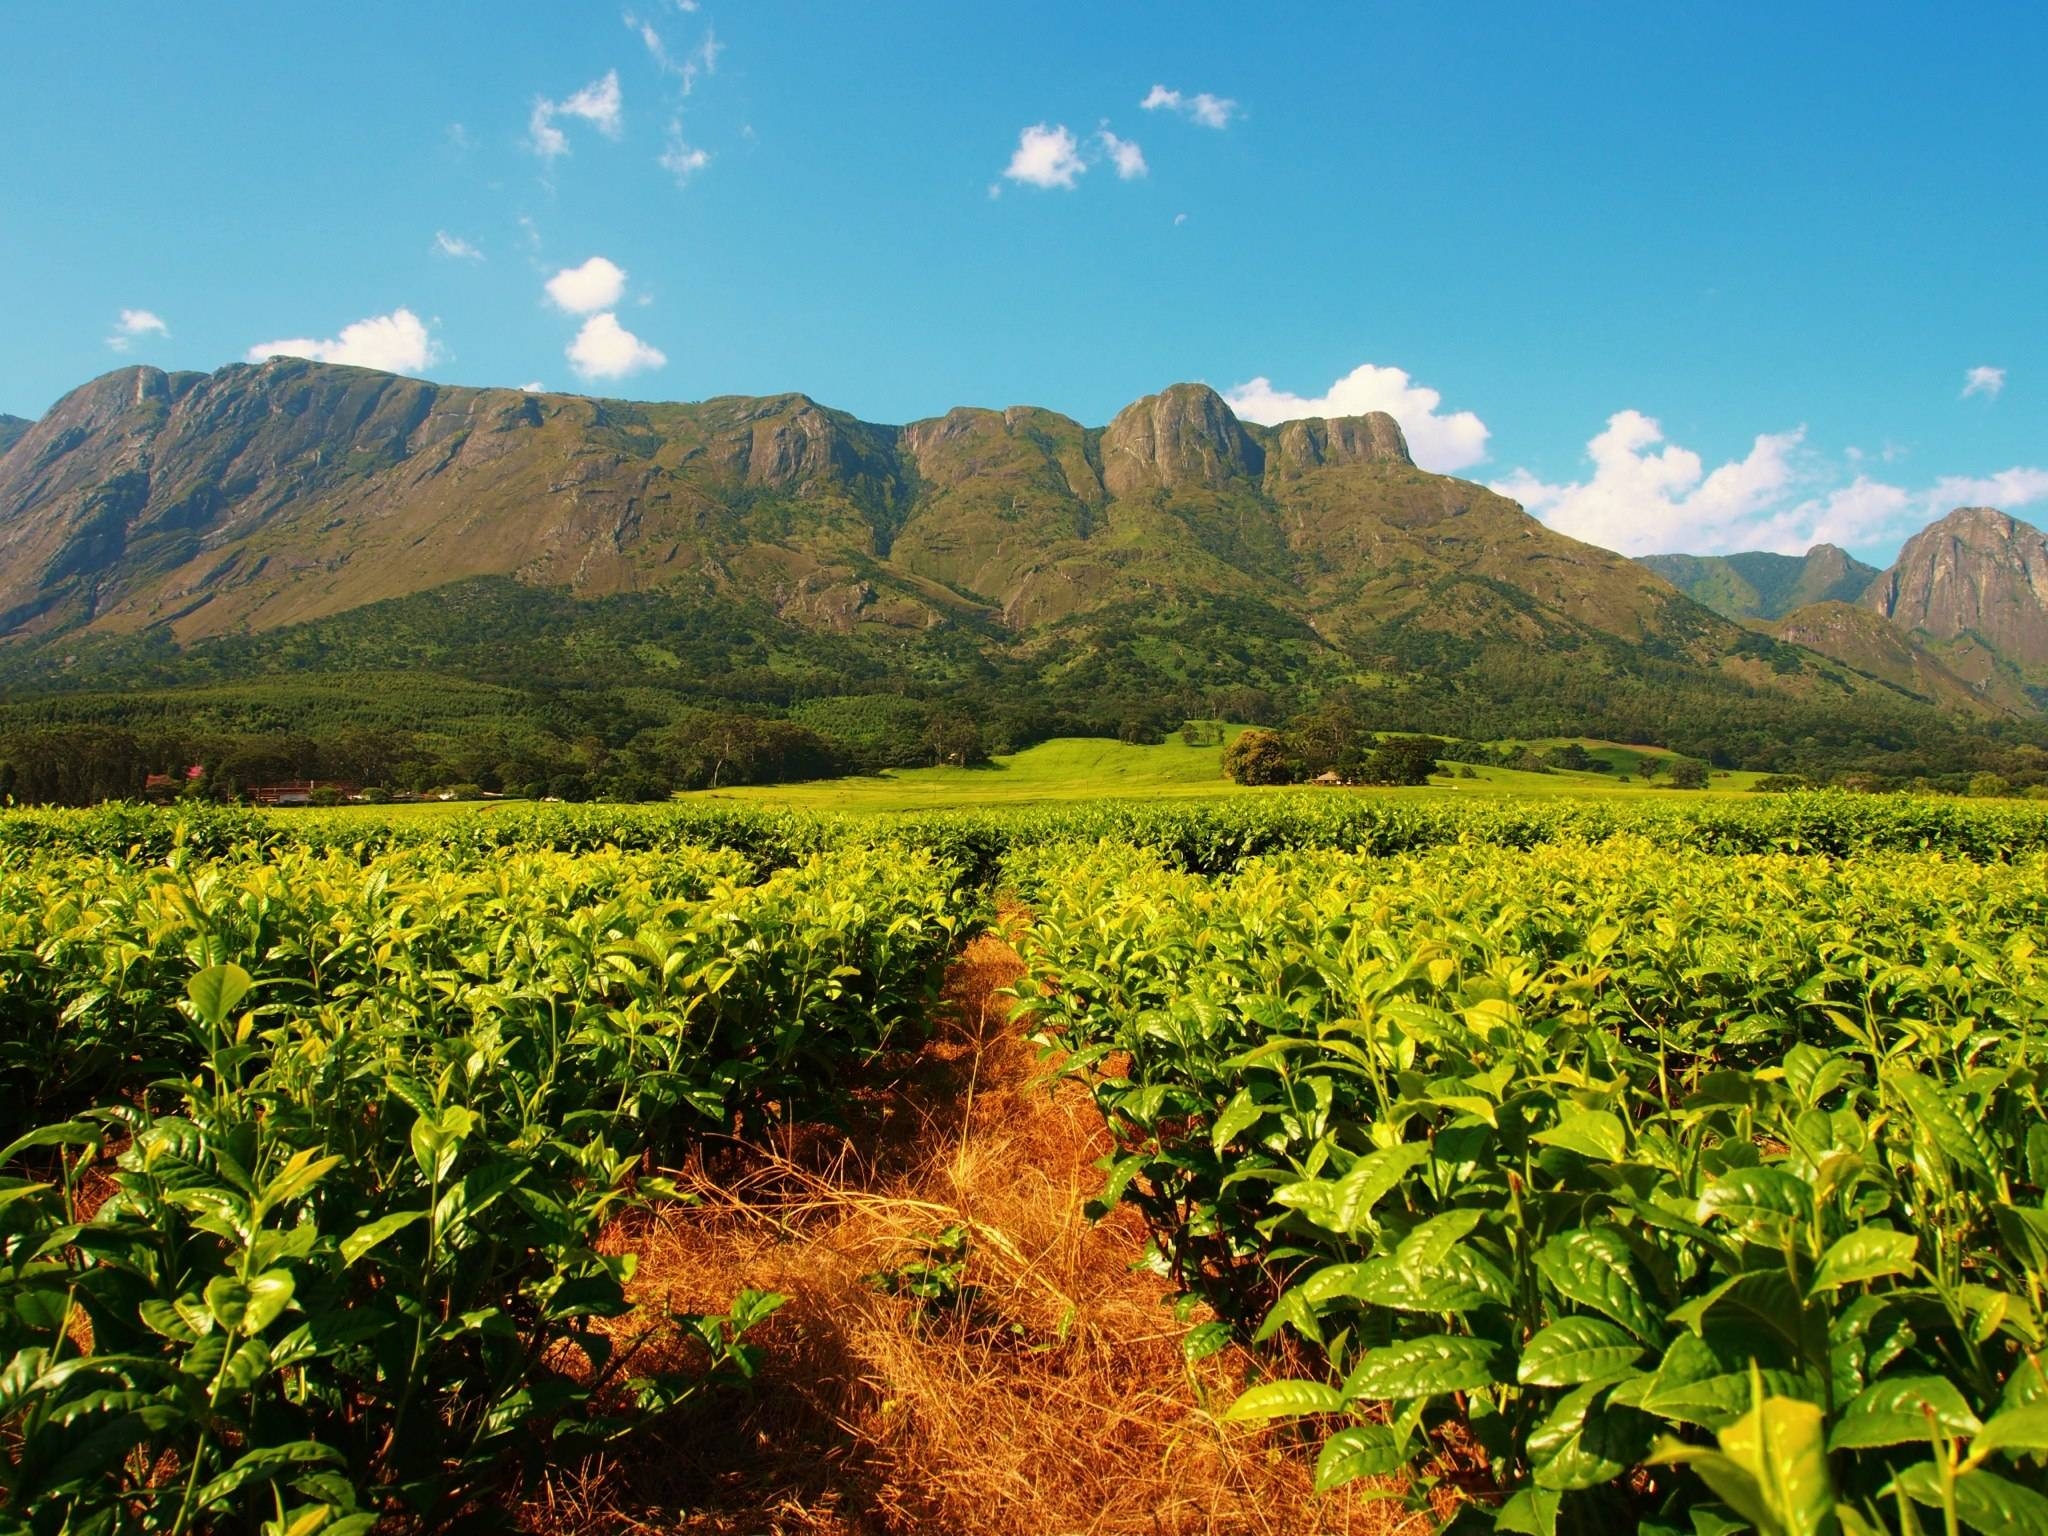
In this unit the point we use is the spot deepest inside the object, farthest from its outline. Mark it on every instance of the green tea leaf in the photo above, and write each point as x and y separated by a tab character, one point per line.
1283	1400
1591	1133
215	991
1364	1450
371	1233
1902	1410
1865	1254
1574	1350
1947	1126
2016	1429
1421	1367
1985	1501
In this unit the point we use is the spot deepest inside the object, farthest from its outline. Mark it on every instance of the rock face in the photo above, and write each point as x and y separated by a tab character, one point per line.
1953	677
1374	438
1975	572
1183	436
1758	585
209	505
11	429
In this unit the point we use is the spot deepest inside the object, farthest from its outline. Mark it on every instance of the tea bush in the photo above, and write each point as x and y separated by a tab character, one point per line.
367	1121
1701	1191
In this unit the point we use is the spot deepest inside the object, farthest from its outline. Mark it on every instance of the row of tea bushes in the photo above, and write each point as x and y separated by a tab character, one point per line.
1699	1192
366	1121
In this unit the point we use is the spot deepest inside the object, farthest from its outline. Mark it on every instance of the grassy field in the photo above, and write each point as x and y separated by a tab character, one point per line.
1088	768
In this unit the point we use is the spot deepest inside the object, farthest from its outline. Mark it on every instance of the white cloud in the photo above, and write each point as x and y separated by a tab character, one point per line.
597	284
2016	487
1647	496
1179	219
134	324
542	136
700	60
604	349
1128	159
396	343
680	159
1046	157
1436	441
1210	111
1643	498
455	246
600	103
533	387
1983	381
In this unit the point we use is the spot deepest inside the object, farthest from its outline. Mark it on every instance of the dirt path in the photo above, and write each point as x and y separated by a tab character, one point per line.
1053	1399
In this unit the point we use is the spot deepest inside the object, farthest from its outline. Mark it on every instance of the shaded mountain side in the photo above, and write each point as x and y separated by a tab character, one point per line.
1758	585
1958	675
292	517
1976	575
11	430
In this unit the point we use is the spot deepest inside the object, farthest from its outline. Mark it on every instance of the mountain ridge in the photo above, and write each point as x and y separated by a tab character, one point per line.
1757	584
282	516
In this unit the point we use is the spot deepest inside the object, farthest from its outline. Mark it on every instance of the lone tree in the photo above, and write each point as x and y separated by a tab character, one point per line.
955	739
1402	760
1688	773
1258	757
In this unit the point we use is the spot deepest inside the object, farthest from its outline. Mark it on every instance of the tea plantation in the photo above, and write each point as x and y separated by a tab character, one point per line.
1660	1165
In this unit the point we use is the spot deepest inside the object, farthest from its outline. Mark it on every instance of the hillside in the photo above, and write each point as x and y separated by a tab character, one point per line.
11	430
1759	585
1958	675
1976	574
162	530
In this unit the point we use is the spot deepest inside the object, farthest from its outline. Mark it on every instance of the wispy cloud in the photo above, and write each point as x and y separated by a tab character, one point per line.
1128	159
132	326
680	159
600	103
1200	107
455	247
1988	382
686	68
396	343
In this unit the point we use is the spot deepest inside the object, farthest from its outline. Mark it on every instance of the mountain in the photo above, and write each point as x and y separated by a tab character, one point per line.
1757	585
11	430
1955	676
1960	619
268	495
288	517
1979	575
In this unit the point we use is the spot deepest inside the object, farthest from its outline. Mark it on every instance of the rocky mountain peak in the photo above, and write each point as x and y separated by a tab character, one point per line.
1977	570
1183	436
1374	438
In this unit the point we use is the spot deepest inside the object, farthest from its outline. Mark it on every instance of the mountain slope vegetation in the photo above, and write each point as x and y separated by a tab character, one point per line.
610	565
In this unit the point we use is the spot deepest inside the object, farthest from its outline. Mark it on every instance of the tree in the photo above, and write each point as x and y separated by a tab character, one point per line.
1401	760
955	739
1258	757
1689	773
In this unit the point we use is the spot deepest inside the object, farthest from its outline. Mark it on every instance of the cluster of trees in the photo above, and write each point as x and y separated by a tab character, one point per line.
641	758
493	683
1261	756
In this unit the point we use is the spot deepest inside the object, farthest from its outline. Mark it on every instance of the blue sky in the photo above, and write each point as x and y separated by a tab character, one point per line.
1704	277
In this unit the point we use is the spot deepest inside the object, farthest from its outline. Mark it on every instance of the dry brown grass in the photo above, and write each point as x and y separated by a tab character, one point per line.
1056	1401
